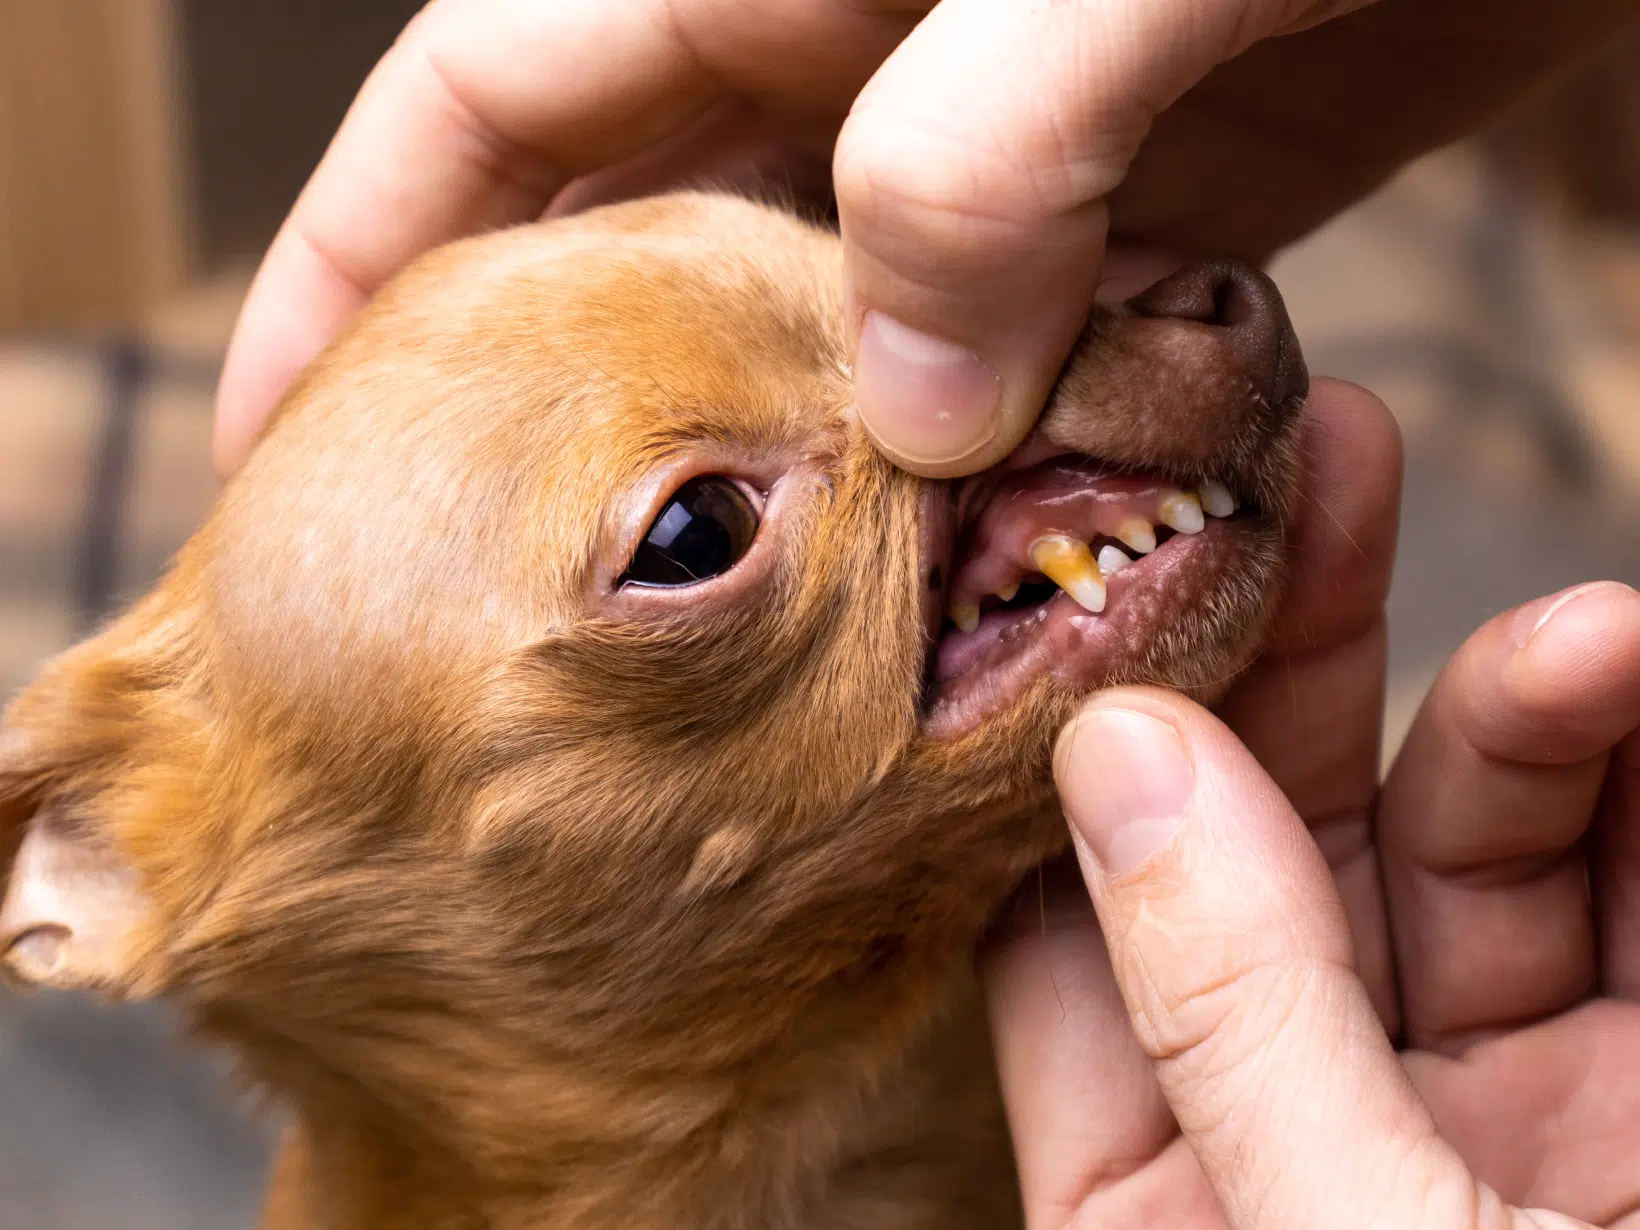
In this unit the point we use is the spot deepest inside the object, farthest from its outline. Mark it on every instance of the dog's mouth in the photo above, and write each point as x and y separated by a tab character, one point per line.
1077	569
1136	535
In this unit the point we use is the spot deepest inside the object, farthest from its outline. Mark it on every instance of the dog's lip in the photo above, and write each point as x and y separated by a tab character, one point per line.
1058	637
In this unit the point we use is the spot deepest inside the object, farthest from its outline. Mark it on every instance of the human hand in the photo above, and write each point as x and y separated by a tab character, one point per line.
1257	1088
987	149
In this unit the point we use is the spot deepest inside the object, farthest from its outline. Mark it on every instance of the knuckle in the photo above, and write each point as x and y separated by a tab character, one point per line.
909	175
1002	172
1208	1030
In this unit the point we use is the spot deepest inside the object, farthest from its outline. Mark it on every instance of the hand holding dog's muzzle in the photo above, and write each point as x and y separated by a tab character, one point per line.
978	153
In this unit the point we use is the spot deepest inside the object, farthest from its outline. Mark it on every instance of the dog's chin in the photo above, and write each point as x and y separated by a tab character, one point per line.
1152	582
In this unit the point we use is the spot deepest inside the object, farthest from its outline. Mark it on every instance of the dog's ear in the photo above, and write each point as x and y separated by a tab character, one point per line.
72	906
95	757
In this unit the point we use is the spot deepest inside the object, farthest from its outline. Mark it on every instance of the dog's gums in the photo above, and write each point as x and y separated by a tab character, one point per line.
572	769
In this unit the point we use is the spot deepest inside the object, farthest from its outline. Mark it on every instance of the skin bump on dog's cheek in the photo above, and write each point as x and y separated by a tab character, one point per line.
722	859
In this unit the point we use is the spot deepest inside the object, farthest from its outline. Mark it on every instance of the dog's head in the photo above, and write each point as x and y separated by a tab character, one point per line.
566	681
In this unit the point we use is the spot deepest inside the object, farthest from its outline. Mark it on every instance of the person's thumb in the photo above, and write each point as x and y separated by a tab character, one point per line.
1233	956
971	177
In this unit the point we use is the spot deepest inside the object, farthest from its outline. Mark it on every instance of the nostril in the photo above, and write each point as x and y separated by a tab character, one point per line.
1224	293
1246	304
1236	301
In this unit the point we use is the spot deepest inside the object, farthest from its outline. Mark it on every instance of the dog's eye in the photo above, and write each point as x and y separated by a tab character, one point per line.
703	531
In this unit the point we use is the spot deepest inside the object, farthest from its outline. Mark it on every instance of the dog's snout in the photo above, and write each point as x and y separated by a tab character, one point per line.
1246	304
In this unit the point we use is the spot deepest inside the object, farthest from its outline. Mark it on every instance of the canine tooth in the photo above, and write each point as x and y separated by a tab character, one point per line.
965	615
1007	592
1182	511
1139	534
1069	564
1112	559
1216	499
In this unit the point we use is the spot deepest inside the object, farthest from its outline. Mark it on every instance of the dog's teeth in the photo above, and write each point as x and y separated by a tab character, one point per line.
1112	559
965	615
1139	534
1182	511
1069	564
1216	499
1007	592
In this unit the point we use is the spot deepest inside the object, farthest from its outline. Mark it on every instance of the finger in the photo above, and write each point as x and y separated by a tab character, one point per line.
1233	957
971	177
1616	872
1094	1140
1456	65
1548	1115
1485	810
1311	708
481	112
733	147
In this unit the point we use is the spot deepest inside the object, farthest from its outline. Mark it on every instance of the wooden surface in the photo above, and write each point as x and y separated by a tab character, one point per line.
94	202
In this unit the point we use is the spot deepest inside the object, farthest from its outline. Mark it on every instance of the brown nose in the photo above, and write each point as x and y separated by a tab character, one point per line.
1246	304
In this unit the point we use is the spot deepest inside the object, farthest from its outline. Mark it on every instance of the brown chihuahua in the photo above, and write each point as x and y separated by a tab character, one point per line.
572	769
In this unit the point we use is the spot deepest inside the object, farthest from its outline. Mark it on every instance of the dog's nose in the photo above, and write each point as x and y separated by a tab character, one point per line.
1246	304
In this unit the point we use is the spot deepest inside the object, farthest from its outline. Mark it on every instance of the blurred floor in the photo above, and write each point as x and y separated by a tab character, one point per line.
108	1123
1509	351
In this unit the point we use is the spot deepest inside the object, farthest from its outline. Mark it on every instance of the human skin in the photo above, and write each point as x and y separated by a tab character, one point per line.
980	155
1257	1087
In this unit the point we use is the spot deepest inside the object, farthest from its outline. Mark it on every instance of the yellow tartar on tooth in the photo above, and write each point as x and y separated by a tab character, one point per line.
1069	564
965	615
1182	511
1139	534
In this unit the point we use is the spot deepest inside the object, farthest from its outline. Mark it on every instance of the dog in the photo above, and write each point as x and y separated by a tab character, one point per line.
571	770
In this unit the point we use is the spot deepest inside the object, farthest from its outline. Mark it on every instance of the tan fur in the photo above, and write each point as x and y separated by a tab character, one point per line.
541	905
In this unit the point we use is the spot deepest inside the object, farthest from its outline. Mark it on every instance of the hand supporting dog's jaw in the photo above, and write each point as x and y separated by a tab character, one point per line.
531	768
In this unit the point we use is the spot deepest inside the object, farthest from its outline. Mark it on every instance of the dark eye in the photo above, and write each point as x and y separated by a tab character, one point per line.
702	532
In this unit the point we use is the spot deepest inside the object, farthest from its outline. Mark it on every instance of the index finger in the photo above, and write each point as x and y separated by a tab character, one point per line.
480	114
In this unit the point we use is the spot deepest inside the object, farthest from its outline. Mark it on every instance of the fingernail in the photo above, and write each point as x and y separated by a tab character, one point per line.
923	399
1531	618
1124	780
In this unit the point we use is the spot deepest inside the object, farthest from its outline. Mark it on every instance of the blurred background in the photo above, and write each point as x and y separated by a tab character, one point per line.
148	149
